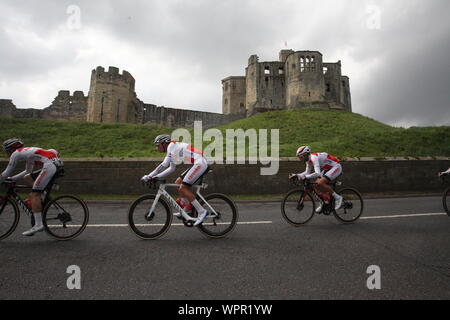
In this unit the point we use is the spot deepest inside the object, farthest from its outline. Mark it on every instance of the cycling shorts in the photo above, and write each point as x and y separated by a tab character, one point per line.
46	174
333	173
193	174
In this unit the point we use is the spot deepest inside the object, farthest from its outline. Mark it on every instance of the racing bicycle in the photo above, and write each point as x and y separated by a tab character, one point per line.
299	205
64	217
150	216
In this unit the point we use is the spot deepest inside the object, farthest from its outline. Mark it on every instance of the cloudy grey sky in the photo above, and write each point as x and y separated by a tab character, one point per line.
396	52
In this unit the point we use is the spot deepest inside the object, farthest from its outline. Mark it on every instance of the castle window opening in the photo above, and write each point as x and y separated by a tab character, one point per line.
328	87
266	70
226	101
343	84
325	70
302	64
280	70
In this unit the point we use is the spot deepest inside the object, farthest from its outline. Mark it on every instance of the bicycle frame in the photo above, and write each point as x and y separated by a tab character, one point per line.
163	193
11	193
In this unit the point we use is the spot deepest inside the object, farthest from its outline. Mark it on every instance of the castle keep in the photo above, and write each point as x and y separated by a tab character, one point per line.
298	80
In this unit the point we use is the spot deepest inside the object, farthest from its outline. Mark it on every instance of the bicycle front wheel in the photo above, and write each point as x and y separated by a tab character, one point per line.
65	217
446	201
352	206
297	207
9	217
149	225
227	215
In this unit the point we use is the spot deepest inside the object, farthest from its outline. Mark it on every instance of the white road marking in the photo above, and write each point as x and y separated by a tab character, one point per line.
406	216
254	222
154	225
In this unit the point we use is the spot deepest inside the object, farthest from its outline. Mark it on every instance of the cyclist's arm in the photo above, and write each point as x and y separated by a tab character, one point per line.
10	168
29	169
445	172
316	165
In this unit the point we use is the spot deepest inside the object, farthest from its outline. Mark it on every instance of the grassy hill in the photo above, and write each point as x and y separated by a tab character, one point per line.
339	133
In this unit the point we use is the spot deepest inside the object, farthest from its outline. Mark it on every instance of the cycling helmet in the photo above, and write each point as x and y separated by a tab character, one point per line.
304	150
12	144
163	138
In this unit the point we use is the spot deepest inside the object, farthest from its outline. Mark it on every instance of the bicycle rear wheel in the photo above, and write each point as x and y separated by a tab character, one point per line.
298	207
352	206
446	201
151	226
65	217
227	216
9	217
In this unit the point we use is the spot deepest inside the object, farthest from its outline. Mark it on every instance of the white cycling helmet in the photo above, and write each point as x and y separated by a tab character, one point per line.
12	144
303	150
162	138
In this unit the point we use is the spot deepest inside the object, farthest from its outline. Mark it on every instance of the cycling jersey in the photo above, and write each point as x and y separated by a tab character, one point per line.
322	164
180	152
33	157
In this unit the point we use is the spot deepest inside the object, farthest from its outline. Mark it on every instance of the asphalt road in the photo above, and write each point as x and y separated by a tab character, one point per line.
407	238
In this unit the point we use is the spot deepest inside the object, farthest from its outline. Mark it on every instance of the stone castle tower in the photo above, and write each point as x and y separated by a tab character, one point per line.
298	80
112	97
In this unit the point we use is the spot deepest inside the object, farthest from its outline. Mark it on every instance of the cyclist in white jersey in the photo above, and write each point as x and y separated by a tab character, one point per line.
325	168
177	153
15	150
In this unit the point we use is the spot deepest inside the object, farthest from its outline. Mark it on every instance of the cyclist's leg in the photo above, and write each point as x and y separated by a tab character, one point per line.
44	178
328	177
191	177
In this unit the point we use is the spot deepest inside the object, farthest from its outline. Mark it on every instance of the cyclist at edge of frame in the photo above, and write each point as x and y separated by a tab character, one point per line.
444	173
33	157
325	168
176	153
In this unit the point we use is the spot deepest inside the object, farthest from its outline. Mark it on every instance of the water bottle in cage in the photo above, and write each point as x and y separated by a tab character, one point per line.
185	204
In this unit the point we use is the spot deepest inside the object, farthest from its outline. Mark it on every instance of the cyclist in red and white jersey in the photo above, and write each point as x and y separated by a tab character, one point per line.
33	157
177	153
325	168
444	173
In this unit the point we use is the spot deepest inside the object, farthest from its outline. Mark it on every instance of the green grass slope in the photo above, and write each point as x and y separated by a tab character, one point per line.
339	133
83	139
345	134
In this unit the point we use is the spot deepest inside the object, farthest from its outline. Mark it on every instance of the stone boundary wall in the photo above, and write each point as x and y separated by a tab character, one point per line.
121	176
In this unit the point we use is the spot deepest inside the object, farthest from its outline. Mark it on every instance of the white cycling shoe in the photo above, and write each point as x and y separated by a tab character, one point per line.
33	230
338	202
201	218
319	208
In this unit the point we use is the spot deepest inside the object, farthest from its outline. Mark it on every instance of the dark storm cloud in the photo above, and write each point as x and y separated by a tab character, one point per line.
398	74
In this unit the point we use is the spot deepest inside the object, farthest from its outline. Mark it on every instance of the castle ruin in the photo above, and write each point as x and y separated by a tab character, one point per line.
298	80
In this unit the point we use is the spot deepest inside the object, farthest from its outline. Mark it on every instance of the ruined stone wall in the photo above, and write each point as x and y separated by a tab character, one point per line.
347	99
271	94
177	118
7	108
333	88
234	93
67	107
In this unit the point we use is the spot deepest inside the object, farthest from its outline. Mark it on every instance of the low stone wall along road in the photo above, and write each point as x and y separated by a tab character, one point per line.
399	249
